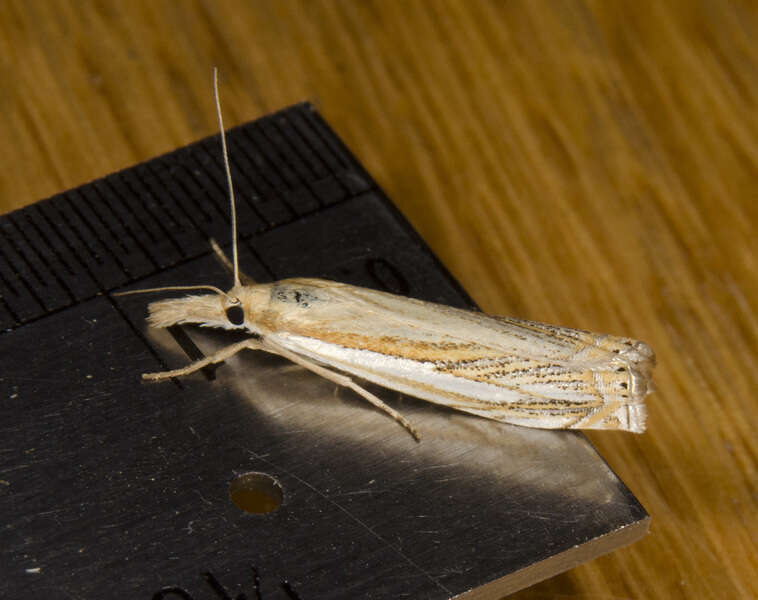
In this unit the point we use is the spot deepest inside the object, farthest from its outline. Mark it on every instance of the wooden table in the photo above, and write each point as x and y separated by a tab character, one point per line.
591	164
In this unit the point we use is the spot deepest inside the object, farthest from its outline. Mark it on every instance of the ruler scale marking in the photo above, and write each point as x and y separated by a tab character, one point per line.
287	181
164	242
51	274
83	282
300	176
334	184
278	210
323	180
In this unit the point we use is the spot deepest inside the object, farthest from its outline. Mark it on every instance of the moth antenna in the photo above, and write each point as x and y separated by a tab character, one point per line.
228	179
221	256
172	288
244	278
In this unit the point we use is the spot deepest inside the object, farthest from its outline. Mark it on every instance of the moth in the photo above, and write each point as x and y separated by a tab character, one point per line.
501	368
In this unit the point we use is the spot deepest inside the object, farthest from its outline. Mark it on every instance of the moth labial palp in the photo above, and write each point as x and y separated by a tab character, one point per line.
501	368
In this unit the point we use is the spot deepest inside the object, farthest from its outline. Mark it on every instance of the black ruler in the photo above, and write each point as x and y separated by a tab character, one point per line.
114	488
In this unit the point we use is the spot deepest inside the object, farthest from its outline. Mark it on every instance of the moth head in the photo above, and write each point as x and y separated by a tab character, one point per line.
235	309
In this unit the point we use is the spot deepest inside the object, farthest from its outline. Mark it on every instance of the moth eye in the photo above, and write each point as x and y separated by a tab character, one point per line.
236	315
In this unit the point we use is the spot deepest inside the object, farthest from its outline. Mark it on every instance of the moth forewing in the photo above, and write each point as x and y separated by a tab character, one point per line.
514	371
504	369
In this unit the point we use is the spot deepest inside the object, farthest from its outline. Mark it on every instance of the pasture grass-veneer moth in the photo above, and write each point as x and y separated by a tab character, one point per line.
505	369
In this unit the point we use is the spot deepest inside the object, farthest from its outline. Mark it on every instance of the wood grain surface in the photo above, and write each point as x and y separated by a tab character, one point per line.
586	163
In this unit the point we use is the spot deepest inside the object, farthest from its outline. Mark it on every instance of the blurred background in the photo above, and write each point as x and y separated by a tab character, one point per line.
585	163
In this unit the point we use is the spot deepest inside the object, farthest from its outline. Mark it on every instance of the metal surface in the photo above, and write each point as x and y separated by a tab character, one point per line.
114	488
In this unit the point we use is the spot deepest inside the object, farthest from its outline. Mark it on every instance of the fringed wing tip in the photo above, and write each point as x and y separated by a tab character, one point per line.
641	385
637	418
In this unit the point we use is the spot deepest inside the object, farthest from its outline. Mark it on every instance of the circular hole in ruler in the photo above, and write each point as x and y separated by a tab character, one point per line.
257	493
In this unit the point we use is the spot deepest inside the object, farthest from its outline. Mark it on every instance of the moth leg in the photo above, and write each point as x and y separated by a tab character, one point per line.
216	357
337	378
342	380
